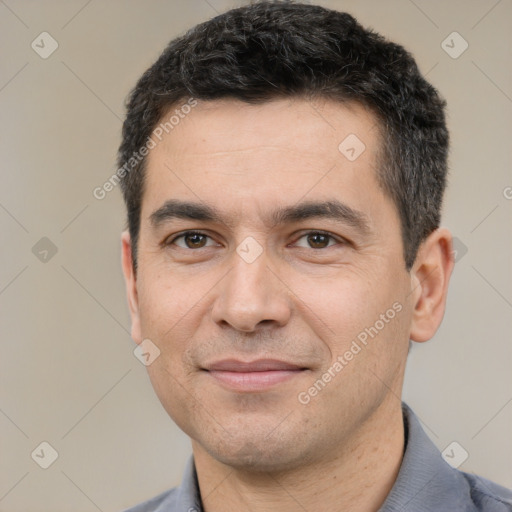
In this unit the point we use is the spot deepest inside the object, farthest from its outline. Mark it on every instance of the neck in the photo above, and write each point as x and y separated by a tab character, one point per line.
358	477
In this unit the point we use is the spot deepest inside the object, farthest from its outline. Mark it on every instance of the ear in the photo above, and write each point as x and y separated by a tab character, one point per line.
131	286
430	276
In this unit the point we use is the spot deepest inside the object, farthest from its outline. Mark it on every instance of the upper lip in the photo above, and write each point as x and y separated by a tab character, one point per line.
258	365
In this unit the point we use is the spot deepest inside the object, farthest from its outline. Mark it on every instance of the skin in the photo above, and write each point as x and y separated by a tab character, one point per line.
304	300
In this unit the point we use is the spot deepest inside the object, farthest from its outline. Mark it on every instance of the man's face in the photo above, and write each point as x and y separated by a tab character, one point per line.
274	286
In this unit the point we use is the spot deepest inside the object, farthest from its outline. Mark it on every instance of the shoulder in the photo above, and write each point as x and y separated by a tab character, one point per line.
165	502
428	483
184	498
488	496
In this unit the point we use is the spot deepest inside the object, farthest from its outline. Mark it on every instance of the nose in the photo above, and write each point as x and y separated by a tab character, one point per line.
251	296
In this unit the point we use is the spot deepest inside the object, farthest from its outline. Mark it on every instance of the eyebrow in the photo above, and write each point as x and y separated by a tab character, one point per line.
331	209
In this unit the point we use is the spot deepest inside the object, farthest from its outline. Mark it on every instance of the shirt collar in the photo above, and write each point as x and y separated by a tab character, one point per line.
425	482
188	498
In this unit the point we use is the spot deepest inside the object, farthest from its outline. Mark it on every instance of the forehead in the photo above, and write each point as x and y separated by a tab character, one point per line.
297	125
233	154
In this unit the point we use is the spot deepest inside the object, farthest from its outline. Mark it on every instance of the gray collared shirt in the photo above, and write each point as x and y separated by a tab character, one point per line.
425	483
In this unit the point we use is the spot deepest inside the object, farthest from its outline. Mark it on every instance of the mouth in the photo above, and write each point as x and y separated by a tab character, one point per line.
253	376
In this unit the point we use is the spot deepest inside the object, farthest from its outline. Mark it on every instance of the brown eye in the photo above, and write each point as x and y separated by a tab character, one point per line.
191	240
318	240
195	240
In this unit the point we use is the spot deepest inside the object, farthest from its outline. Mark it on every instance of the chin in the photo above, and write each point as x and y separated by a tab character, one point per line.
252	459
258	453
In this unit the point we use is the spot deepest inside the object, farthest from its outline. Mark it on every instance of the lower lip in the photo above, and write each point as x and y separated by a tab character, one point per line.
253	381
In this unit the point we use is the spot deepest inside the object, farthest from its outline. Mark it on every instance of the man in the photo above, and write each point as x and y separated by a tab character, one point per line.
283	170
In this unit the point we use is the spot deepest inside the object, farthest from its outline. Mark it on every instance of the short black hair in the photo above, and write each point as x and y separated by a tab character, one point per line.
270	50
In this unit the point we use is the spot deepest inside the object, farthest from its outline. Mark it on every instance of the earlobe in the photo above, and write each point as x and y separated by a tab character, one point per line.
430	277
131	286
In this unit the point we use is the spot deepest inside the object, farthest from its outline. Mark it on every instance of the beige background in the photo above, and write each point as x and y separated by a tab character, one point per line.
68	375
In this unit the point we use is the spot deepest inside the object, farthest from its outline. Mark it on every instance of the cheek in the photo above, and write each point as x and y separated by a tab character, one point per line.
168	316
167	309
174	392
340	304
358	314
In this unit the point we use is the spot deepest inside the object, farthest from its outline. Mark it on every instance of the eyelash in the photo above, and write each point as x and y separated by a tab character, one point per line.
331	237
